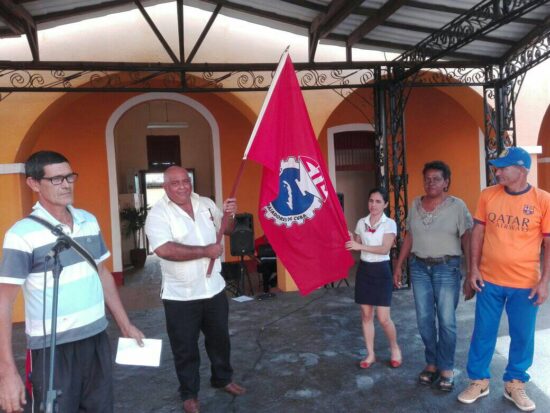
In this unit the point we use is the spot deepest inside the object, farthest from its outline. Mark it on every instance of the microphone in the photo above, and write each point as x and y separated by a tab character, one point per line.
61	244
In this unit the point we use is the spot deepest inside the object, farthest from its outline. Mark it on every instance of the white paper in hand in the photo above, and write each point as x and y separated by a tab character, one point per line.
129	352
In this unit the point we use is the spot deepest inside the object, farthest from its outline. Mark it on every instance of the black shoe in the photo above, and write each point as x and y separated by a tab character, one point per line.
446	383
427	377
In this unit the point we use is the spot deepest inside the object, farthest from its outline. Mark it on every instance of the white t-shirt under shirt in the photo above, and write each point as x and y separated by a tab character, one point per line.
167	222
375	236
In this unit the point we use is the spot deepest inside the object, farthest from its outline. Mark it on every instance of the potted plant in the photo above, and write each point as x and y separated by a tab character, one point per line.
134	223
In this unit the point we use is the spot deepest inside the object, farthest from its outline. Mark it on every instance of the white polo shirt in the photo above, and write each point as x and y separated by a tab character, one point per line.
167	222
384	226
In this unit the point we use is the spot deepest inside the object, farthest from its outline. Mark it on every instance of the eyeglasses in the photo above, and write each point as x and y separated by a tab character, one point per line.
58	180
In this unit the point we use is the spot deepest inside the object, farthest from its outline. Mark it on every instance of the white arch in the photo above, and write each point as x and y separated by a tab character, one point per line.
330	144
111	160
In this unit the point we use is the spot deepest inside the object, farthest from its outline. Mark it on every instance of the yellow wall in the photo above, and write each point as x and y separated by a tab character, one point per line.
544	141
438	125
79	132
438	128
77	129
13	201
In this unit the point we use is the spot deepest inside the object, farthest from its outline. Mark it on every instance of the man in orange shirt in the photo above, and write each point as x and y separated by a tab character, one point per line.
512	220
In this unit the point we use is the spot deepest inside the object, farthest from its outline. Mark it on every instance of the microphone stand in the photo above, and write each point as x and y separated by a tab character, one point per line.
51	396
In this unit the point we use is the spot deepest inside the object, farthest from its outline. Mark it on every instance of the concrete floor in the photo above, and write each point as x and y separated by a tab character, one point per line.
300	354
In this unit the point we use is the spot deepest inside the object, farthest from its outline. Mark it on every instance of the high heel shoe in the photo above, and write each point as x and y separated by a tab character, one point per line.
364	364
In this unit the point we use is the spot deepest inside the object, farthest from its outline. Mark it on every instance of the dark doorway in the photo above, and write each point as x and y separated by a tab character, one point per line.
163	151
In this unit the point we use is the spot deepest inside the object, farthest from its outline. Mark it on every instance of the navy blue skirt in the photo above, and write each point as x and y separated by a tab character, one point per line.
374	283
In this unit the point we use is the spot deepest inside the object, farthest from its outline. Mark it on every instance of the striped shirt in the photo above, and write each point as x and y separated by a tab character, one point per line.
81	308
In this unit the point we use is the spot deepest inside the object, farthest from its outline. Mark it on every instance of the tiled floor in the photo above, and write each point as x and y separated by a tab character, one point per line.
299	354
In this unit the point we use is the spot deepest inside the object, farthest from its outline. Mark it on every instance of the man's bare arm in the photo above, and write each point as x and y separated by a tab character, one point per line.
172	251
12	390
476	245
112	299
541	289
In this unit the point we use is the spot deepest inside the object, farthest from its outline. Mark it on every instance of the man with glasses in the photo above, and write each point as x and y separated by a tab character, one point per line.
83	357
181	229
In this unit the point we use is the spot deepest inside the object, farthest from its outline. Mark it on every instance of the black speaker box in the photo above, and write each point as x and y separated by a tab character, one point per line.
242	237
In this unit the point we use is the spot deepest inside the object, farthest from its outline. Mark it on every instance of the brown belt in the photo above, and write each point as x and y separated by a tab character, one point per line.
437	260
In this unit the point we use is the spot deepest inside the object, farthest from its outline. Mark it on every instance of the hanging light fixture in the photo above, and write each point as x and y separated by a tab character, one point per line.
165	124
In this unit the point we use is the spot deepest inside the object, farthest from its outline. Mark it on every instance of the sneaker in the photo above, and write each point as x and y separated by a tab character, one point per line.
515	391
476	389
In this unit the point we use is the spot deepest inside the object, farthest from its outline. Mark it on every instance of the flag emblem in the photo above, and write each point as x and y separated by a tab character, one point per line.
302	191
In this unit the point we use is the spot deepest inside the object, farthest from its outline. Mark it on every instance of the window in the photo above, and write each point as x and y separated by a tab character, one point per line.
354	151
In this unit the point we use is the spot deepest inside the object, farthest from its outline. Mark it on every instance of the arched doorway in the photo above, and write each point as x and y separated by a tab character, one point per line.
136	114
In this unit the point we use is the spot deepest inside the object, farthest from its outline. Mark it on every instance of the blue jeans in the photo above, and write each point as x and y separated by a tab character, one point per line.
522	315
436	291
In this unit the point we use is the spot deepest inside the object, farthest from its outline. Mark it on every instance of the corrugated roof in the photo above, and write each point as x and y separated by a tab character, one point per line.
384	24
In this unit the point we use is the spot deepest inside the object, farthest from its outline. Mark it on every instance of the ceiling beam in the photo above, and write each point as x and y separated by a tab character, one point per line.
324	23
372	22
398	47
216	67
458	10
157	32
528	39
204	33
307	5
312	42
260	13
429	30
79	11
179	5
14	25
530	51
20	21
337	12
483	18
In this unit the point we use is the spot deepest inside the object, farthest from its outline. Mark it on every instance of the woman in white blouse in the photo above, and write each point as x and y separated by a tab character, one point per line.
374	237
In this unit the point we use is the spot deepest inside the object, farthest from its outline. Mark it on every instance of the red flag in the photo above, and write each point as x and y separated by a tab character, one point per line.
299	210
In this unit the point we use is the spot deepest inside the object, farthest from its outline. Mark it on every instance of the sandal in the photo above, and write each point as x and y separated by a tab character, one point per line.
364	364
427	377
446	383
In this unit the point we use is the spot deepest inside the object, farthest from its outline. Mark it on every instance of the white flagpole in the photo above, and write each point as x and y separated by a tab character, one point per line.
266	101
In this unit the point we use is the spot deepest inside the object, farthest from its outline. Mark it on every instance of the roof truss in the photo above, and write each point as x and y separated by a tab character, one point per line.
20	22
371	23
471	25
533	49
485	17
326	22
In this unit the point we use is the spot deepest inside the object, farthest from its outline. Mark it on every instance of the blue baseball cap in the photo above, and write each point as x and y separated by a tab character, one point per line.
512	157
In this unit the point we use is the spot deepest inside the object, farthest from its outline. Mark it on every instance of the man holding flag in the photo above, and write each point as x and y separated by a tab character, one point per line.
181	228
